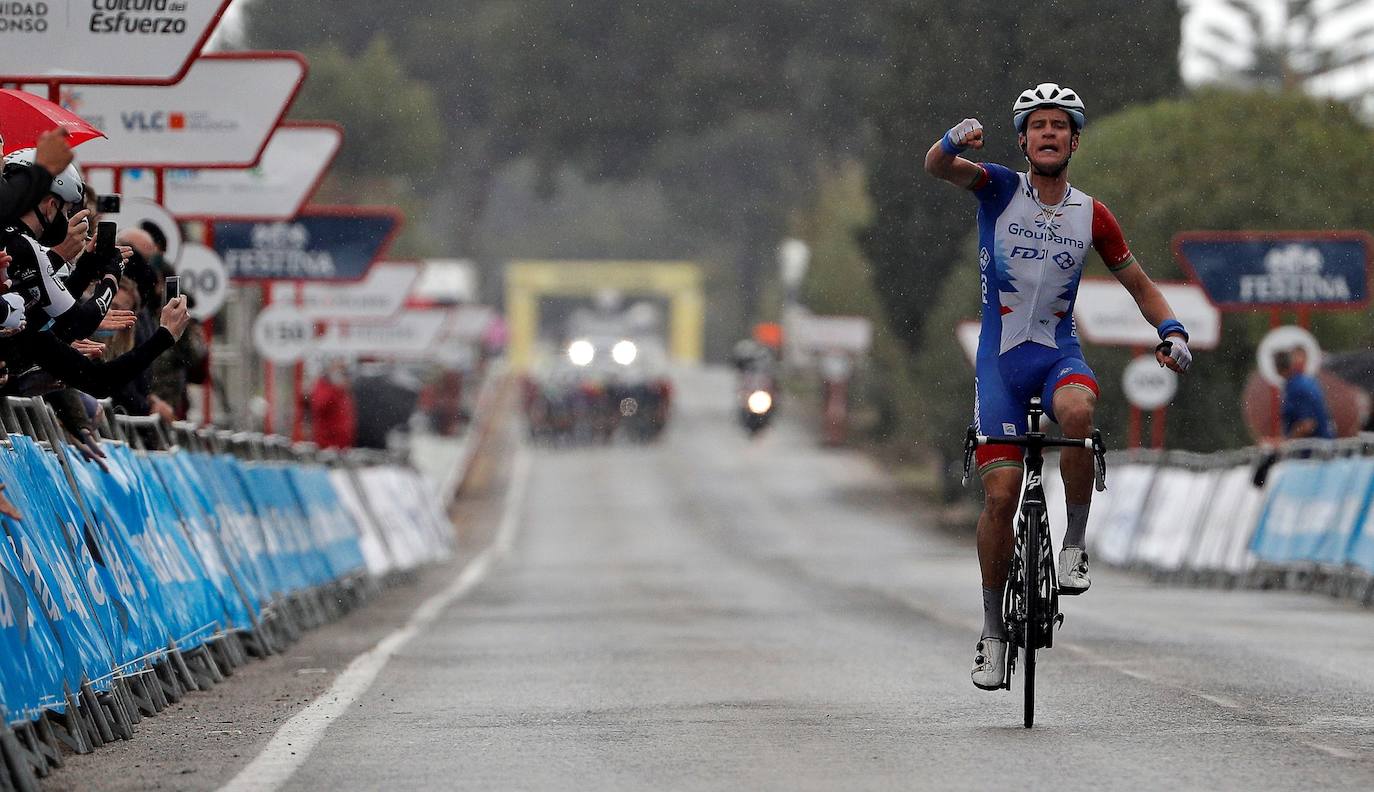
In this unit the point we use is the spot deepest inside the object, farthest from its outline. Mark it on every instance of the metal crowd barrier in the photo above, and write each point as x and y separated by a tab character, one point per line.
134	579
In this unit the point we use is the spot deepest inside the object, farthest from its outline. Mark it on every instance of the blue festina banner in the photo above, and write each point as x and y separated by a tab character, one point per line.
322	243
1245	270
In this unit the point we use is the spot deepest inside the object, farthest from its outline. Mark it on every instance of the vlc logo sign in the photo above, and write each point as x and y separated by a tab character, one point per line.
153	121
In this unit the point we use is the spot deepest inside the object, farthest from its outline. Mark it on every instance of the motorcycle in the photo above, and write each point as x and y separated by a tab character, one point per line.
757	402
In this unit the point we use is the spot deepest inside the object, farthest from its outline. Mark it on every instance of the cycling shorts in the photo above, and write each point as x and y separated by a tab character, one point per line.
1005	383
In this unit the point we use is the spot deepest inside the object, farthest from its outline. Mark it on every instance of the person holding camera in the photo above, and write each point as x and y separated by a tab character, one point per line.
33	286
45	240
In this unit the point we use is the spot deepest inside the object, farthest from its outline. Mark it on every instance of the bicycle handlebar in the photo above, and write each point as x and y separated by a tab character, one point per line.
973	440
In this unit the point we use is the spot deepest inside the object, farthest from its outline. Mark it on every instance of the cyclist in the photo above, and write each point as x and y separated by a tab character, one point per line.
1034	233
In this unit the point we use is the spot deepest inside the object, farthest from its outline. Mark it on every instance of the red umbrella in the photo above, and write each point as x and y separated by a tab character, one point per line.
25	116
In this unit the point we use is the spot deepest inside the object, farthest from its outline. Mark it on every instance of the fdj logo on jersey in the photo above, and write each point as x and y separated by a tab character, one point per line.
1064	260
983	258
1028	253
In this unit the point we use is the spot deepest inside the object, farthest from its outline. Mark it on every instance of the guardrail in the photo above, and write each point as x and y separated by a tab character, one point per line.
1203	519
129	581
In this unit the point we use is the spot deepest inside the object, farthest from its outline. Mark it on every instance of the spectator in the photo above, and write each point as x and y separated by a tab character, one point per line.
131	398
386	398
187	364
44	240
441	400
333	415
1304	406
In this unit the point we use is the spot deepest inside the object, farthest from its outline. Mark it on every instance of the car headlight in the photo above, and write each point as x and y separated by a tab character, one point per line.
581	352
624	352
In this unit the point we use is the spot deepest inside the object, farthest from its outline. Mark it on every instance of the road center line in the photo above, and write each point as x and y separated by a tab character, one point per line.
296	739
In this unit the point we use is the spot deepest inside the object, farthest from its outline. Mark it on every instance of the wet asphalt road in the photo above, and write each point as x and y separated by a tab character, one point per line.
715	613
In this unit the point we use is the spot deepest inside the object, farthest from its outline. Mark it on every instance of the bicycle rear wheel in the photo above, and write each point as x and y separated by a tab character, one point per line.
1030	576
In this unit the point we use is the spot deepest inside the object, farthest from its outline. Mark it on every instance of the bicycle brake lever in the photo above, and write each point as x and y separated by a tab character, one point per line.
970	443
1099	462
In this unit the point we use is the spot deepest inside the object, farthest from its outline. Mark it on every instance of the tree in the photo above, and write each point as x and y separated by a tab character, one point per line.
391	122
1289	45
727	106
840	280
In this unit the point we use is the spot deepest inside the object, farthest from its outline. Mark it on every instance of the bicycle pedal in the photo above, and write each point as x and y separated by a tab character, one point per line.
1059	621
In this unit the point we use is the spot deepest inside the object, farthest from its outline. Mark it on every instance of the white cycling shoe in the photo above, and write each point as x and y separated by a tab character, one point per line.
1073	571
990	665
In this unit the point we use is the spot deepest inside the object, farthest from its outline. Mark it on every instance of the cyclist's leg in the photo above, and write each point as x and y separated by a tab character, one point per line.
996	412
1072	393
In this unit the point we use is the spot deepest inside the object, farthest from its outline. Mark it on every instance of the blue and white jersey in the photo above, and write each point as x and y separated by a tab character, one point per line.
1031	259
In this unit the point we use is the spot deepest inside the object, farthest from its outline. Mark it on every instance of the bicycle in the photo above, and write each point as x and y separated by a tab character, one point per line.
1030	604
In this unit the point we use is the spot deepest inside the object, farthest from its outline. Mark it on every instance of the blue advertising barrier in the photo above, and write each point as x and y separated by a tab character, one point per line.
211	511
30	658
1315	511
330	518
183	502
128	581
78	607
188	585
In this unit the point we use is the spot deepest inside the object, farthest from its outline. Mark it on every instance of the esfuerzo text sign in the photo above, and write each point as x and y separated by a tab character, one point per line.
1245	270
127	42
328	243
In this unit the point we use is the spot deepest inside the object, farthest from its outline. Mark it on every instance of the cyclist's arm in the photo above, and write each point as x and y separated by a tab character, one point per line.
1111	245
953	168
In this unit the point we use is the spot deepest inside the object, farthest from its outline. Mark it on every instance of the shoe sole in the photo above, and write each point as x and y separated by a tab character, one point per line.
998	686
1073	592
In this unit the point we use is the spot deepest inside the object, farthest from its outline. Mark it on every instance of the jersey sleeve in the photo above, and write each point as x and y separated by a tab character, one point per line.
1108	239
35	279
997	184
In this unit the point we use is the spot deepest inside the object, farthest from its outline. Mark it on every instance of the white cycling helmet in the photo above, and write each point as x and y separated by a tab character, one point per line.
1047	95
67	185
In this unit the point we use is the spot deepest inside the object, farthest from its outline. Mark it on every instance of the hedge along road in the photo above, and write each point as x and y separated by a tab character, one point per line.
711	613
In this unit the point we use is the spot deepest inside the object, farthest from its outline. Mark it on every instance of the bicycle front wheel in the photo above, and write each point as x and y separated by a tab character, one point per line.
1030	578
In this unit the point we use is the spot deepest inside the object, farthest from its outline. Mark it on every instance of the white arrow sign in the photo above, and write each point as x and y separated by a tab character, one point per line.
104	41
1106	314
219	116
413	334
379	295
292	165
467	323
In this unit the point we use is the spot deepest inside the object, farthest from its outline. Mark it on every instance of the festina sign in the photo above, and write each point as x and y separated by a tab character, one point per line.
1247	270
144	42
220	116
322	243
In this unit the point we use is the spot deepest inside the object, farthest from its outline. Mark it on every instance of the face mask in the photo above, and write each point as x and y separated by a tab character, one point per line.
53	232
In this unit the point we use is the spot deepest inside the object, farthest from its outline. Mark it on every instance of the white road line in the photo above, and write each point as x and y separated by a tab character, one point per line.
292	744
